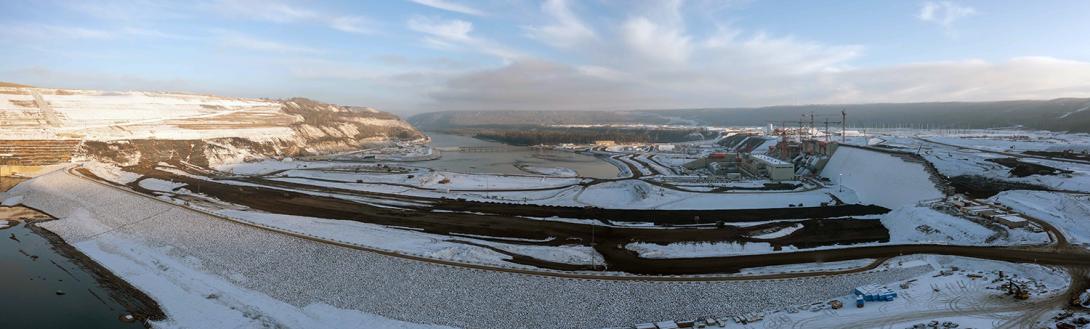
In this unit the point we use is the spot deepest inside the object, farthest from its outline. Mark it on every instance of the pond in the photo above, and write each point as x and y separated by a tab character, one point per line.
504	162
43	288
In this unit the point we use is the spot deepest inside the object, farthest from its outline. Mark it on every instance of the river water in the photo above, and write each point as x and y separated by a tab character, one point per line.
31	273
504	162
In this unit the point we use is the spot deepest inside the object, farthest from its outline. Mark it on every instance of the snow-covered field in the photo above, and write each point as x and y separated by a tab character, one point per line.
699	250
206	272
1068	212
417	243
926	225
636	194
959	298
438	179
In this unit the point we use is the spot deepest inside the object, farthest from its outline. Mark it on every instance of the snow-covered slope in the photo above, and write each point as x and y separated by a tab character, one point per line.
218	125
880	178
1068	212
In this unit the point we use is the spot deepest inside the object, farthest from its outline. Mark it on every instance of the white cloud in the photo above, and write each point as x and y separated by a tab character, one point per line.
280	12
567	30
351	24
456	29
656	41
967	80
33	31
244	41
59	32
454	34
450	6
944	13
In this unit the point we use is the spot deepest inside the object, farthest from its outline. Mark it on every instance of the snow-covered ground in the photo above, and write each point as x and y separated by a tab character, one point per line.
207	272
957	297
880	178
637	194
703	249
1068	212
417	243
926	225
548	171
623	194
102	115
780	232
808	267
438	179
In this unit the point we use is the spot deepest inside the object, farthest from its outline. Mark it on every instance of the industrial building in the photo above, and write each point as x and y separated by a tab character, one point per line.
986	209
761	165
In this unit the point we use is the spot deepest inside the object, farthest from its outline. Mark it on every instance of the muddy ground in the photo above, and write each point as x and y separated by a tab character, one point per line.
1020	168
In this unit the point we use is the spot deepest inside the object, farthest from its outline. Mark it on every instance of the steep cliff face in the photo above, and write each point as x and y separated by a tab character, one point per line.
130	128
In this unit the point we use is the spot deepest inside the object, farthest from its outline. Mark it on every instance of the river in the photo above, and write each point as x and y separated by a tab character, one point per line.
504	162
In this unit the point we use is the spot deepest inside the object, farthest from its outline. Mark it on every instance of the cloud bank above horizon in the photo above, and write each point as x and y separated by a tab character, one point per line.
433	55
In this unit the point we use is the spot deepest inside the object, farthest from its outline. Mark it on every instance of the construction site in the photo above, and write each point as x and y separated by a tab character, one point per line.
777	226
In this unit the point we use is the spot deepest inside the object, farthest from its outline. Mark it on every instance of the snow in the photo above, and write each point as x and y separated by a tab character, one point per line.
636	194
548	171
808	267
879	178
100	115
623	194
1070	213
417	243
438	179
159	185
12	200
111	172
698	250
780	233
132	236
904	225
931	296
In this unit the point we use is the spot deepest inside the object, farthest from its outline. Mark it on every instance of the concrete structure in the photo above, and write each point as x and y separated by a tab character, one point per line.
605	143
766	166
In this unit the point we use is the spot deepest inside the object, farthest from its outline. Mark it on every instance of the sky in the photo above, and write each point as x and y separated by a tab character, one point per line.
414	56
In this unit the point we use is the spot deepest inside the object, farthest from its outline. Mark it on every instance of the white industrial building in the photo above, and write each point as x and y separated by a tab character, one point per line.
774	169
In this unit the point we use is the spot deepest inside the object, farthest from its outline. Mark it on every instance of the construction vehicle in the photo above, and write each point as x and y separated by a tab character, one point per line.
1082	299
1017	290
836	304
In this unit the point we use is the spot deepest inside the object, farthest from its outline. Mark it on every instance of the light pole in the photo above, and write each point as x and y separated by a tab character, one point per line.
840	182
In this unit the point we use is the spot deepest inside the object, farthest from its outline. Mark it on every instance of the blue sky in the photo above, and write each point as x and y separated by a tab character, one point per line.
430	55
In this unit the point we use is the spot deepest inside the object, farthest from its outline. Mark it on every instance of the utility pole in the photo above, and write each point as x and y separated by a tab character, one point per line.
843	126
799	133
812	128
826	130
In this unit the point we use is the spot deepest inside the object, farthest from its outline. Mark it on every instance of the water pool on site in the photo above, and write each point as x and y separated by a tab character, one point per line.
504	162
32	272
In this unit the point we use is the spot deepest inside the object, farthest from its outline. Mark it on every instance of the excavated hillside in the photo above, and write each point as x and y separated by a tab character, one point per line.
130	128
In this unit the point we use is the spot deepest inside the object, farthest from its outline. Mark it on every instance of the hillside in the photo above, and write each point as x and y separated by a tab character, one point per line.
1065	114
130	127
